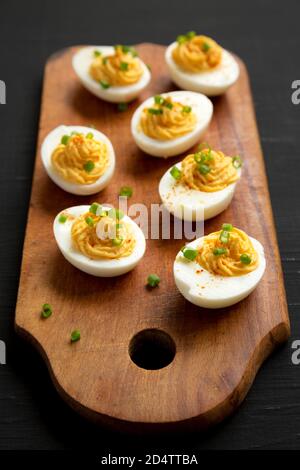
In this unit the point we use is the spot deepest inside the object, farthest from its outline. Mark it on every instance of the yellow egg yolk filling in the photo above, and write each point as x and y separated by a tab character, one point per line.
117	239
197	54
120	69
80	159
209	170
234	256
167	119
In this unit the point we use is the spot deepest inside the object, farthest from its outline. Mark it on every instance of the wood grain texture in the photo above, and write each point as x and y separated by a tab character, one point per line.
217	352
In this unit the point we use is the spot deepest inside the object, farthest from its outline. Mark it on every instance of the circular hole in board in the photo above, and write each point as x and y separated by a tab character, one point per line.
152	349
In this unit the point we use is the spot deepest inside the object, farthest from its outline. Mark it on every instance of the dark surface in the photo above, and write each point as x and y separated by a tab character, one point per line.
266	36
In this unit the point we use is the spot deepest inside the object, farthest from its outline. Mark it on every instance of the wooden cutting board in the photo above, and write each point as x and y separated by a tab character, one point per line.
212	356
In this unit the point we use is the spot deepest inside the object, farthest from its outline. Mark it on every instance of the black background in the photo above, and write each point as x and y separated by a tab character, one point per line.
266	35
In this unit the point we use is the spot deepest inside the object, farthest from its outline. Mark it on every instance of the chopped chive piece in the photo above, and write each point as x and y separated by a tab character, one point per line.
62	218
124	66
167	104
104	60
198	157
219	251
117	241
89	221
205	47
90	135
126	191
190	34
153	280
155	111
118	226
181	39
186	109
97	53
129	50
204	169
75	336
189	253
125	49
116	214
175	172
237	161
46	311
158	99
149	67
122	106
89	166
104	84
245	259
65	139
227	227
224	236
94	208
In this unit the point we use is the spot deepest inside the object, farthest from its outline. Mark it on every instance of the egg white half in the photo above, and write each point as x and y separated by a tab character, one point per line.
191	204
53	140
202	288
100	268
211	82
201	106
115	94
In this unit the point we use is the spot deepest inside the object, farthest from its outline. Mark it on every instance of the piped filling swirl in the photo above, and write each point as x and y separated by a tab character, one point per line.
167	119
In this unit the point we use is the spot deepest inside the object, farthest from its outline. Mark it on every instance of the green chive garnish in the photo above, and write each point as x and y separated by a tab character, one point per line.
224	236
90	135
124	66
203	146
204	169
186	109
94	208
237	161
219	251
89	166
168	105
122	106
245	259
126	191
89	221
153	280
115	214
158	99
205	47
189	253
62	218
181	39
104	60
227	227
65	139
155	111
190	34
104	84
46	311
75	336
117	241
175	172
149	67
97	53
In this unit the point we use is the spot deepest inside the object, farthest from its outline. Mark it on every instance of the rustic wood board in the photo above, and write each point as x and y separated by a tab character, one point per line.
218	353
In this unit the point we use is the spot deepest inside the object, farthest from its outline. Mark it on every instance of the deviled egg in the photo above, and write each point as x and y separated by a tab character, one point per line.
198	63
201	185
115	74
99	240
219	269
79	159
169	124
